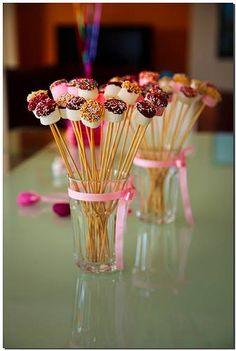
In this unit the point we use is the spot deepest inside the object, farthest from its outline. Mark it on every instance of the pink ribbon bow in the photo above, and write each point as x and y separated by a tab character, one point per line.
179	162
124	196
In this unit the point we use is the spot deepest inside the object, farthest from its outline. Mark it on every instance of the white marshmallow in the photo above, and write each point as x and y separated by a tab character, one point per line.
36	114
188	100
50	119
63	113
129	98
113	117
90	124
140	119
73	115
111	91
88	94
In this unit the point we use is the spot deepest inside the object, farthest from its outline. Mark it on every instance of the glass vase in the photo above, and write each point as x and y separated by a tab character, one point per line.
157	190
94	226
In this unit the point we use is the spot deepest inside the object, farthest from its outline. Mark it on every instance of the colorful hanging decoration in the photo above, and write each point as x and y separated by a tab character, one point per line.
88	17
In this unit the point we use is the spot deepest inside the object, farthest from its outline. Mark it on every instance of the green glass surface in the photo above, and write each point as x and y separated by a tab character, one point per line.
176	289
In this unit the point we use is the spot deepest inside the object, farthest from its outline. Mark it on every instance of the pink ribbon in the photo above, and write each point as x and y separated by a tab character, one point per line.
124	196
179	162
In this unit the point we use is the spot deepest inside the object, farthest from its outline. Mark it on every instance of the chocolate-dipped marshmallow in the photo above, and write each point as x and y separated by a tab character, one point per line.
114	110
188	95
34	98
47	111
73	107
159	100
144	112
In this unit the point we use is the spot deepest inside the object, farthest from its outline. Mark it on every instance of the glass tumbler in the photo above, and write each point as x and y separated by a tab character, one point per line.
157	190
94	226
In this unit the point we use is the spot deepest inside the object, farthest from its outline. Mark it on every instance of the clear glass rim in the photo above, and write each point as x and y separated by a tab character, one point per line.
116	180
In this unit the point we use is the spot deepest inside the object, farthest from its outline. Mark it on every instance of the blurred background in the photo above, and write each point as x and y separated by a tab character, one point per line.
41	46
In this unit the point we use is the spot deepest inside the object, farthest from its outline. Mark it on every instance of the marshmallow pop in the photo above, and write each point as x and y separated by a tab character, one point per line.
47	111
34	98
112	89
211	95
144	112
58	88
129	92
114	110
179	80
73	107
72	87
91	113
188	95
146	77
159	100
87	88
61	103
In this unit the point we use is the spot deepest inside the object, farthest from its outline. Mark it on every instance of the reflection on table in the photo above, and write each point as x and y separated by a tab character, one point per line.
124	309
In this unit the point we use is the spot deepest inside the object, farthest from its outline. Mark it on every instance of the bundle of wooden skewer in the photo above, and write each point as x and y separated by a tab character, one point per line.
108	169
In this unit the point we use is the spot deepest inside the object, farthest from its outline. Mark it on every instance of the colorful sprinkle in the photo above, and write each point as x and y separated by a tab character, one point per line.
45	107
150	87
62	100
131	87
91	111
148	76
35	97
58	82
207	88
86	84
181	78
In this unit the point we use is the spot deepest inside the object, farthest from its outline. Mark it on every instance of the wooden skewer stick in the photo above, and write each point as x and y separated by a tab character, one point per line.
132	145
67	150
93	154
104	151
114	151
153	134
87	174
135	149
110	146
105	160
162	139
78	146
79	131
62	152
169	118
101	145
179	120
186	134
128	120
126	169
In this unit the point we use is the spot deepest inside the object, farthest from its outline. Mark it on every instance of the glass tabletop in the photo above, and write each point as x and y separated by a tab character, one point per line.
176	290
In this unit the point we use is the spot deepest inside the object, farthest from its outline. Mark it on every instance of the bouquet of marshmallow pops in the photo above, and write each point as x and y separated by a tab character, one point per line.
179	102
168	108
